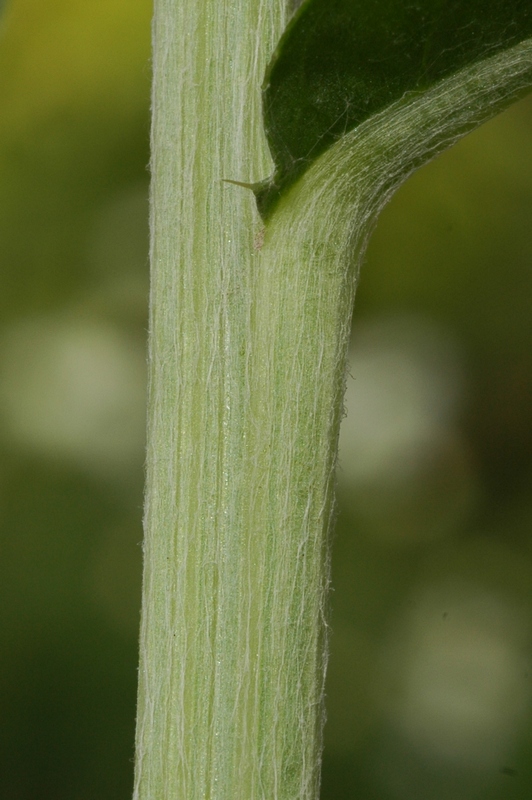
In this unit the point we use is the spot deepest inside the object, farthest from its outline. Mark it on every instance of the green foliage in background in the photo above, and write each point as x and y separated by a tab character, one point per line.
74	130
436	583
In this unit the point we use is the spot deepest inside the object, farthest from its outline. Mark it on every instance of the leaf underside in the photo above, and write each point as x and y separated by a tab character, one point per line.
340	62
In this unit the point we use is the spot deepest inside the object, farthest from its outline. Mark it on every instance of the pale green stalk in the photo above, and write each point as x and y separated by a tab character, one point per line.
200	708
247	354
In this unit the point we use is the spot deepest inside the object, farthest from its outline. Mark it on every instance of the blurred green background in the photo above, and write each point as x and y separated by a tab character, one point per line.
429	689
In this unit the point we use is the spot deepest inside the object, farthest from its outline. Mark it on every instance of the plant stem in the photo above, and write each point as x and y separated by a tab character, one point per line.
247	358
209	709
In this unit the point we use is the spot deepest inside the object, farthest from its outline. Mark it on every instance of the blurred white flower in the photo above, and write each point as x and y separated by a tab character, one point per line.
74	388
403	466
460	676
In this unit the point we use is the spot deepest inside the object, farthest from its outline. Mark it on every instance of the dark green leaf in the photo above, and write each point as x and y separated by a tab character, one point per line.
341	61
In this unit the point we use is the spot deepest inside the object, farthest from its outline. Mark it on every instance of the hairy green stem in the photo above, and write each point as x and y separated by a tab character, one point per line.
248	337
200	708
